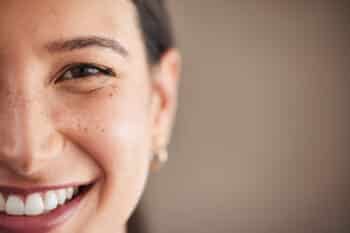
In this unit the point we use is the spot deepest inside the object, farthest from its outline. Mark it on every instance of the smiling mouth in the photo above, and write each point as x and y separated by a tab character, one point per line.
39	209
26	203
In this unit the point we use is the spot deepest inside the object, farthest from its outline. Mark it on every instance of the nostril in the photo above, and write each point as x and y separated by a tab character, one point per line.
21	165
30	154
23	168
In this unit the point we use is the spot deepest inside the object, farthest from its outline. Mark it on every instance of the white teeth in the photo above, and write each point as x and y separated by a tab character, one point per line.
50	200
61	196
34	205
69	193
2	202
14	205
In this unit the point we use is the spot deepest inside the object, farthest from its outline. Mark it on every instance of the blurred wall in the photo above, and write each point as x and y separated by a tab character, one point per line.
261	142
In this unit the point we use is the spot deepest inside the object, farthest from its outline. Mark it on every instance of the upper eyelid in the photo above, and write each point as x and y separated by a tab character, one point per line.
74	65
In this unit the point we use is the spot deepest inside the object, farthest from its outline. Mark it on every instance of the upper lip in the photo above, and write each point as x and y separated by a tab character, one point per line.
34	189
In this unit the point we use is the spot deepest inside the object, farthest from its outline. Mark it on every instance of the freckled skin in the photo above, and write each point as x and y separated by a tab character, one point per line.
61	133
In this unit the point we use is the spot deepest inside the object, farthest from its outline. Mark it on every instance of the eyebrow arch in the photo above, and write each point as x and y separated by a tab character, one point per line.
85	42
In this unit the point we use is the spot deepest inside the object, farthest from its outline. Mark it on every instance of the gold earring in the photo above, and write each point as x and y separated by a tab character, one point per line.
159	158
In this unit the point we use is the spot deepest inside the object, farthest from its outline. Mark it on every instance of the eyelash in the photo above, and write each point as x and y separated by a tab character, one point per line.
86	69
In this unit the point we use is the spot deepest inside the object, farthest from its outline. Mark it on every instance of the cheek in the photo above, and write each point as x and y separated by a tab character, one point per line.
113	127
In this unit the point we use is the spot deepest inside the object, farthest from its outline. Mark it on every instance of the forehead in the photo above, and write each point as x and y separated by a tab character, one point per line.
38	21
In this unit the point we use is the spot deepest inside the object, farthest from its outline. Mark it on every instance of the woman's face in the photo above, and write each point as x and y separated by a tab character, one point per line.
77	108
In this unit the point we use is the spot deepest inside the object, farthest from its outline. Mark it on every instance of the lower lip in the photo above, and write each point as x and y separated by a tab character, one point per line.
42	223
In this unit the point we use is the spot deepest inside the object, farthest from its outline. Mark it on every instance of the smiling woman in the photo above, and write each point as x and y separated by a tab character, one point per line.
88	96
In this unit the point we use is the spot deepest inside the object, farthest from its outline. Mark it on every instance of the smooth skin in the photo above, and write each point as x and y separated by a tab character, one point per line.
60	124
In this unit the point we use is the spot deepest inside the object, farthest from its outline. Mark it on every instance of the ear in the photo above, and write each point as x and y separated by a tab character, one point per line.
164	97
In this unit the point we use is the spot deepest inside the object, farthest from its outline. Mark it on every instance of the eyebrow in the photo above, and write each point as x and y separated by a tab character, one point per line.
85	42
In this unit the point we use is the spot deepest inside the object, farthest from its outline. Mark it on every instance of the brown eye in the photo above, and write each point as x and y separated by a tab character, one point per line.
84	71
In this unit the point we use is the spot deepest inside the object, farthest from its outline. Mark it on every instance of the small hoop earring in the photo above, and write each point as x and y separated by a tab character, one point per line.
159	158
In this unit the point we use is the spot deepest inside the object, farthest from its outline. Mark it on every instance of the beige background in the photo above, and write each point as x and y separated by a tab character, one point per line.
261	139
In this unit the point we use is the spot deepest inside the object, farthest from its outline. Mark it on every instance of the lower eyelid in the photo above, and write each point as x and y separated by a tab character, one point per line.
86	85
78	90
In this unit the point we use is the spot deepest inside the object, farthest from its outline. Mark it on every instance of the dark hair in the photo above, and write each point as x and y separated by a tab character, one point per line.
156	28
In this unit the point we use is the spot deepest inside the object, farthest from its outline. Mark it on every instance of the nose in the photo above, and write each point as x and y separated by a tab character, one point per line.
28	140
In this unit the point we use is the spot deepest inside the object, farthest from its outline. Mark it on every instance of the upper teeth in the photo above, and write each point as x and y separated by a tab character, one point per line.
35	203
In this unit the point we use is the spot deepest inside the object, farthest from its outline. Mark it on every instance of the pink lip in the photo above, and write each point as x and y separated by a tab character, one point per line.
42	223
